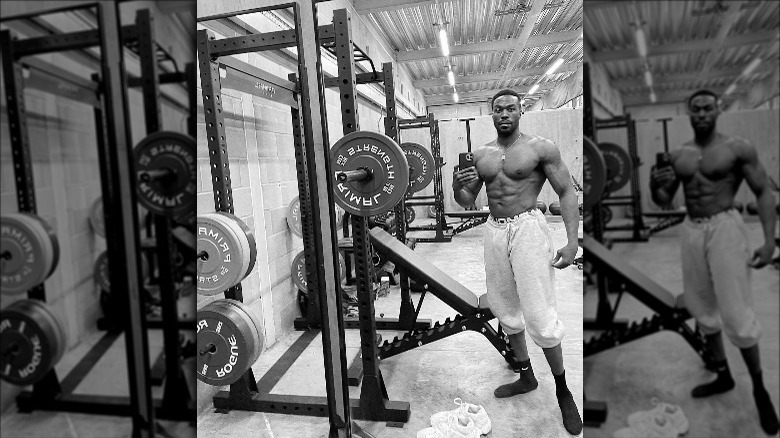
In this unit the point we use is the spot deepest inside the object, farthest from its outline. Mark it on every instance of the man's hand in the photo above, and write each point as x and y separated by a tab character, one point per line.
762	256
465	176
662	176
564	257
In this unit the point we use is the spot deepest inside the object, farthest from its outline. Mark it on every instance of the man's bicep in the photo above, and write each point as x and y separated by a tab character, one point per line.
754	173
555	169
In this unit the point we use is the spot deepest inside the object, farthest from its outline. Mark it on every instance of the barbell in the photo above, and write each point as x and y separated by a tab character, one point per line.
370	173
165	173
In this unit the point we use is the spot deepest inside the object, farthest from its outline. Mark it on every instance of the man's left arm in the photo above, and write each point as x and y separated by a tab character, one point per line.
558	174
756	178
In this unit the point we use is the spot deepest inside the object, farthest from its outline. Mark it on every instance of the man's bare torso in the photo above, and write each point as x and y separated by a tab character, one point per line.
710	175
512	184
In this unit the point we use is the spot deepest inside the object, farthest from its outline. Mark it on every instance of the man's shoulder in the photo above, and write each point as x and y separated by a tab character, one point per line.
544	147
738	143
742	148
479	151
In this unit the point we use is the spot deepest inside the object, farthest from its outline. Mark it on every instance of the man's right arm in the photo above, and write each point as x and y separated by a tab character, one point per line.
466	185
663	184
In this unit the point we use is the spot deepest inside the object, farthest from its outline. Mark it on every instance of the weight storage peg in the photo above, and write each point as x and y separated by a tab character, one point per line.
165	173
32	341
370	173
230	340
226	252
29	252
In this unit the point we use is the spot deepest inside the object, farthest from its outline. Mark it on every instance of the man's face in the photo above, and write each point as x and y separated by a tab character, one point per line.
703	111
506	114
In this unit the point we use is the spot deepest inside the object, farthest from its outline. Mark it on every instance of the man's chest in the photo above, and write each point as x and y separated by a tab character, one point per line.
513	162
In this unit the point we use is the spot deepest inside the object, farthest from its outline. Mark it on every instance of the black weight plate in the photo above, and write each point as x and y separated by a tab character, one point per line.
30	342
175	195
383	158
294	217
226	346
594	173
421	164
298	271
606	214
619	167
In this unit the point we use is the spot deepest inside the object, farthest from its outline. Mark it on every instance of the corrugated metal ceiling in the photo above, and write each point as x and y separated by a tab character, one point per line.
677	28
416	28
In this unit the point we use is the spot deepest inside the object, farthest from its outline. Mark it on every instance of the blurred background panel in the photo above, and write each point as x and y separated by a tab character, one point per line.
56	46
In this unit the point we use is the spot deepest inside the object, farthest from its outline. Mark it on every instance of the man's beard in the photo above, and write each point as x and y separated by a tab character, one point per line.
703	131
505	134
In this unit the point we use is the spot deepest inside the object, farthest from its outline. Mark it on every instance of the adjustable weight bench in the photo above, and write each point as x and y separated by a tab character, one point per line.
469	219
473	312
670	310
666	219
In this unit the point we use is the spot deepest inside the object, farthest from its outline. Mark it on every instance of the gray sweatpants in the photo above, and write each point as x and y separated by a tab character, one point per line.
520	278
716	277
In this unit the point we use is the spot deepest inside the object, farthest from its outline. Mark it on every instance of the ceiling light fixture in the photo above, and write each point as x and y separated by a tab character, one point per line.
533	89
455	97
451	77
752	66
648	78
641	43
730	89
555	65
653	98
443	43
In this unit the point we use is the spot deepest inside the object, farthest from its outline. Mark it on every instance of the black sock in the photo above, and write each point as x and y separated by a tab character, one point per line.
766	411
526	383
571	416
722	383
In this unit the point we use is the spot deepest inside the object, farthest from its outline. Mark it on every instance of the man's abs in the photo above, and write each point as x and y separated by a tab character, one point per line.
508	197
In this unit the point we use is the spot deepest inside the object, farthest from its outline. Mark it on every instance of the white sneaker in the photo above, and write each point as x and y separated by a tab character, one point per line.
654	425
457	426
475	412
671	411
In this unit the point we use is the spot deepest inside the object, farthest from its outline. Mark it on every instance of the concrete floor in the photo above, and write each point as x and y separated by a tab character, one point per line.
431	376
664	366
108	377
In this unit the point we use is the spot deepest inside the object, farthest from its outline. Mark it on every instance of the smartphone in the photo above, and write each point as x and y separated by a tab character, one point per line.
663	159
465	160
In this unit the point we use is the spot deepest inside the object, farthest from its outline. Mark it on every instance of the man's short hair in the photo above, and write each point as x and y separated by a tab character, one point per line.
506	92
702	93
